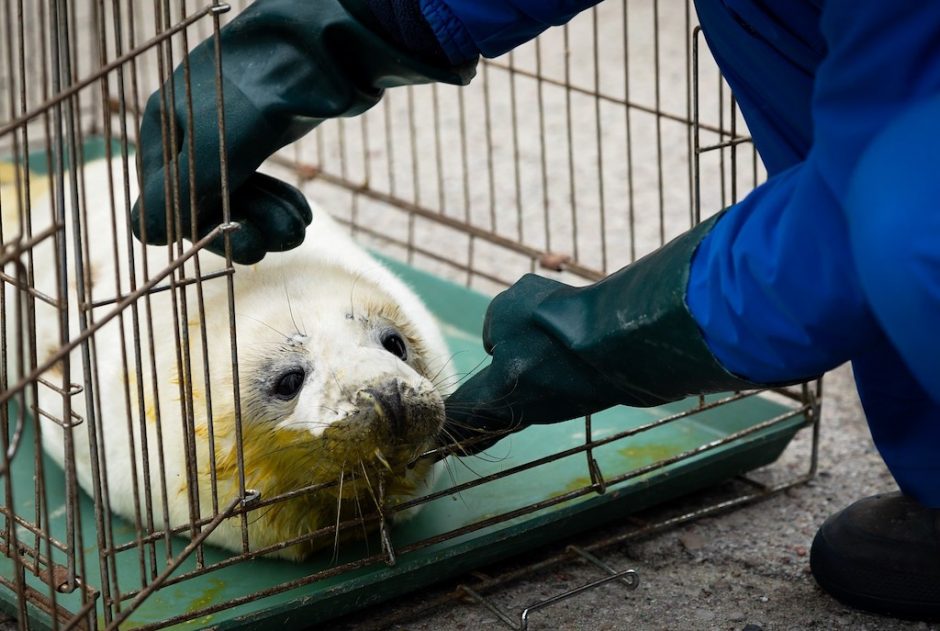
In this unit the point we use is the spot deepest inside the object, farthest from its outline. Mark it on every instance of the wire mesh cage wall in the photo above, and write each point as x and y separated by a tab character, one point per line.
570	157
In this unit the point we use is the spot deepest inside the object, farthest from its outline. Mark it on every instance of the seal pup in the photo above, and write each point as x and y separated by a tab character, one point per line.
337	365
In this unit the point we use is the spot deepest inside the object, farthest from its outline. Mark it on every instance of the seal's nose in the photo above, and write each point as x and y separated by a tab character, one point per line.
391	407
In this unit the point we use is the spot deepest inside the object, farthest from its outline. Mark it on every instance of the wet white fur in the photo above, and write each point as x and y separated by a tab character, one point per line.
309	298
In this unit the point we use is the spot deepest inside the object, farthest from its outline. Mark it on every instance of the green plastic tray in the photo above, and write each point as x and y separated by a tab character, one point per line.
461	311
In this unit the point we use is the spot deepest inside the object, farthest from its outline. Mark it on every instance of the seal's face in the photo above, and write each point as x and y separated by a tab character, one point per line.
337	388
356	379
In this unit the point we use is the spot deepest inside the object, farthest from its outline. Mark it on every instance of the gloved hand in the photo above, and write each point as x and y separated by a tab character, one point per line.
560	352
287	65
533	378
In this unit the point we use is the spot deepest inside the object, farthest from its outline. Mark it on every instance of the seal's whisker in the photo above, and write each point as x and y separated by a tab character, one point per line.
454	445
290	310
339	507
453	441
450	380
445	364
375	499
482	407
352	295
469	373
463	462
263	323
449	469
362	523
452	474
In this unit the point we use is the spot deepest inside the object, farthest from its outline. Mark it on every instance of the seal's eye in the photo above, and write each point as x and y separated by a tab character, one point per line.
393	343
289	384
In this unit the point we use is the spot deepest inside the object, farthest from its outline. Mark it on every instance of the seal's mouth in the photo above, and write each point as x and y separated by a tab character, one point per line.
391	425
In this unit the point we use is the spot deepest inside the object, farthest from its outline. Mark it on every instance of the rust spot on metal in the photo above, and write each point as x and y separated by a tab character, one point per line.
307	171
60	580
554	261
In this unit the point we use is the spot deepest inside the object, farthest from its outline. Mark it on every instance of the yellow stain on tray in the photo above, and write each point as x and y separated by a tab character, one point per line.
650	452
638	456
574	485
210	595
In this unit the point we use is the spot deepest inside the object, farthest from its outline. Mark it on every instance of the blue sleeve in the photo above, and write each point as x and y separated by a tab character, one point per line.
797	277
773	286
468	28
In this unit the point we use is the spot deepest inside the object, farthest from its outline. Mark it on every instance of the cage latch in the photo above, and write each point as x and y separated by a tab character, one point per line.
597	477
251	497
629	578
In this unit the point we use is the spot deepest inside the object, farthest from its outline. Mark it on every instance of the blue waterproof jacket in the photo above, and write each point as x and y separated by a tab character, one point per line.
837	256
796	277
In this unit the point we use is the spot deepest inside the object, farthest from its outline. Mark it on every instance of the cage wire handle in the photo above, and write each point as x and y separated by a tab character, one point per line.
21	311
629	578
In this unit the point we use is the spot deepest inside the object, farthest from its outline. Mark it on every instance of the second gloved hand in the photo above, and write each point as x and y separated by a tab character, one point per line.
533	377
286	66
560	352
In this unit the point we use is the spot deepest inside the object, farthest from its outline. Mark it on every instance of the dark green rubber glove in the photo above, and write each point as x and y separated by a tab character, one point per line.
560	352
287	65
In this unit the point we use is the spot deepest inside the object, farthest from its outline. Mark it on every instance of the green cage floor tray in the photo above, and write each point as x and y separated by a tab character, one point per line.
461	311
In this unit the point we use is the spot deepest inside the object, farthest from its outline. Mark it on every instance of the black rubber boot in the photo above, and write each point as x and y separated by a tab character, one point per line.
882	554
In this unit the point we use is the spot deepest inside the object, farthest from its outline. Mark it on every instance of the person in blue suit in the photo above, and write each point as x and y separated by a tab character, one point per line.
835	258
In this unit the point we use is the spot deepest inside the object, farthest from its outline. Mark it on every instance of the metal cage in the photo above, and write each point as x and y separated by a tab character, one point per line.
571	157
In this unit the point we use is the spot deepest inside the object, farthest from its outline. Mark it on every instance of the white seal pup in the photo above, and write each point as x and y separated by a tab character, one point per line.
338	364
